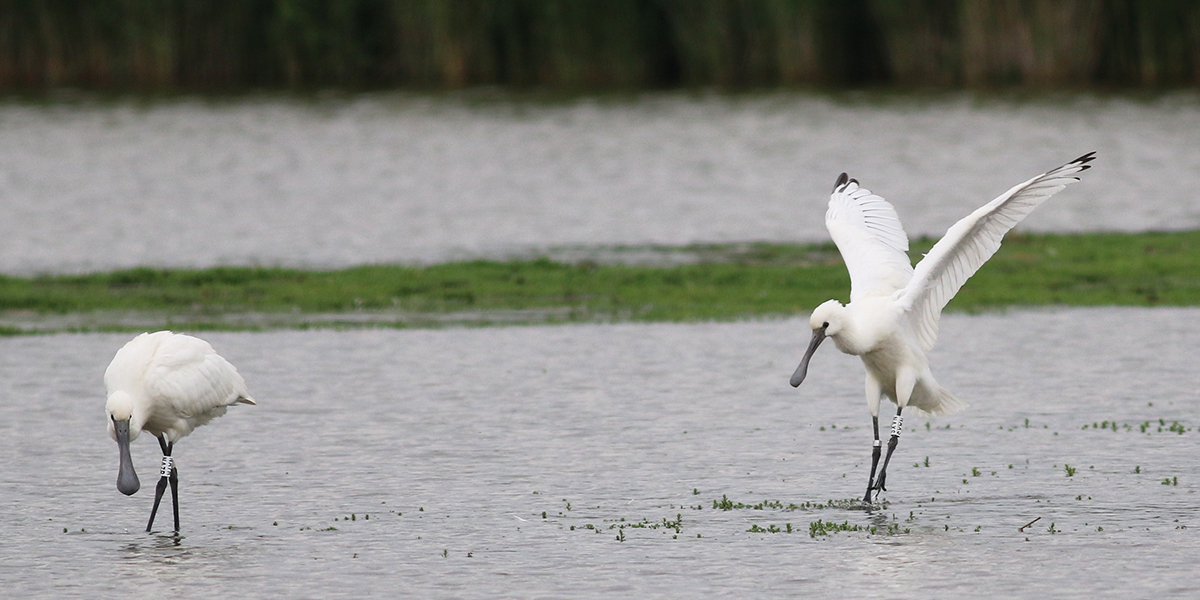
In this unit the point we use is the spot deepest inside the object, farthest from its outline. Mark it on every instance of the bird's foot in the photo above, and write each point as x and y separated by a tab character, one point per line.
879	487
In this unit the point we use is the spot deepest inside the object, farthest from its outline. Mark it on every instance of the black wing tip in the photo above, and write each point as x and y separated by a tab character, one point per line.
841	180
1086	158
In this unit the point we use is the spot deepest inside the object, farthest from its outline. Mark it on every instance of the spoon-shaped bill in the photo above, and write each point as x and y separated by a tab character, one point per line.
127	479
802	370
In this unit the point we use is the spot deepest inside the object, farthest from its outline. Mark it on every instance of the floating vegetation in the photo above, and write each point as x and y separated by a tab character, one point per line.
726	504
845	504
622	527
1171	481
1070	470
672	526
1147	427
817	528
770	529
676	525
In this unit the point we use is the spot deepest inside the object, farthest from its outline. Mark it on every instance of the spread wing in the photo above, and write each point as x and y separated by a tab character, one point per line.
869	236
971	242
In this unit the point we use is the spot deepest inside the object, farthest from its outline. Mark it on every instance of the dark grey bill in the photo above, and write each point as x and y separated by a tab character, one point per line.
127	479
802	370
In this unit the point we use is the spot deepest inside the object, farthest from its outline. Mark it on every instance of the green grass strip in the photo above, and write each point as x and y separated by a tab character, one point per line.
730	282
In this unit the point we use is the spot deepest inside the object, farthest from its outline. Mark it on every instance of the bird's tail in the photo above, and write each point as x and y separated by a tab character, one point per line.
244	400
936	400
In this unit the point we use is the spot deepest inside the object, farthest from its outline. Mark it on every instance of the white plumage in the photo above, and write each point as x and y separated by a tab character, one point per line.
166	384
892	319
175	383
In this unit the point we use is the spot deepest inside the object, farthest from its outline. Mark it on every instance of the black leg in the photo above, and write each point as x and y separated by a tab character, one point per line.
175	495
875	451
163	480
897	424
158	494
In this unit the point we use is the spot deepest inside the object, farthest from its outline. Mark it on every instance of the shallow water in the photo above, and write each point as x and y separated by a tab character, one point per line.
484	429
411	179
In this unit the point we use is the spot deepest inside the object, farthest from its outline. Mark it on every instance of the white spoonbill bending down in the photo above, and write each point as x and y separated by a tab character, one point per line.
891	321
166	384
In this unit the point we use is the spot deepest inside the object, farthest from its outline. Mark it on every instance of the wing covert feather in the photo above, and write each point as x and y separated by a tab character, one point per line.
189	371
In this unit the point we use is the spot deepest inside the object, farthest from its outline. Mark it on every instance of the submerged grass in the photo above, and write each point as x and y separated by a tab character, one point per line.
727	282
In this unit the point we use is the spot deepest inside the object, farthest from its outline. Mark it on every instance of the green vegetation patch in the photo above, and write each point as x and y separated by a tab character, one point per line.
840	504
726	282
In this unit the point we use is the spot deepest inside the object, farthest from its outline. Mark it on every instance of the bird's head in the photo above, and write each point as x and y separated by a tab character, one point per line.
829	316
825	321
120	407
124	425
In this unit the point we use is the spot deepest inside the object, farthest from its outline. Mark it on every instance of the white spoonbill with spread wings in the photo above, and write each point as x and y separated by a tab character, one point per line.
891	321
166	384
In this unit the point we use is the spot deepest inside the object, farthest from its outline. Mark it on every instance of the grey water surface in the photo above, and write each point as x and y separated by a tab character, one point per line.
502	463
398	178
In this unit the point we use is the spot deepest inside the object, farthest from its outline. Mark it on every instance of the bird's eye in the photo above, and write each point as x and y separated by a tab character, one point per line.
826	325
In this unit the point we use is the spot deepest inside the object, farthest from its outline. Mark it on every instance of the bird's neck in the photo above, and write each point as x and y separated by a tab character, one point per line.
848	341
859	333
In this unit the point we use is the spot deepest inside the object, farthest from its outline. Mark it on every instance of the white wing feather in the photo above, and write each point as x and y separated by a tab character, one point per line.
869	237
188	372
971	242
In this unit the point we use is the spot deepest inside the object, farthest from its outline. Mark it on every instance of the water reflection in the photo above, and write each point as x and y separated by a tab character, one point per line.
167	549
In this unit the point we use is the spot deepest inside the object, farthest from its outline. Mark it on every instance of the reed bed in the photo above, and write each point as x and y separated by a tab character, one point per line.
216	45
